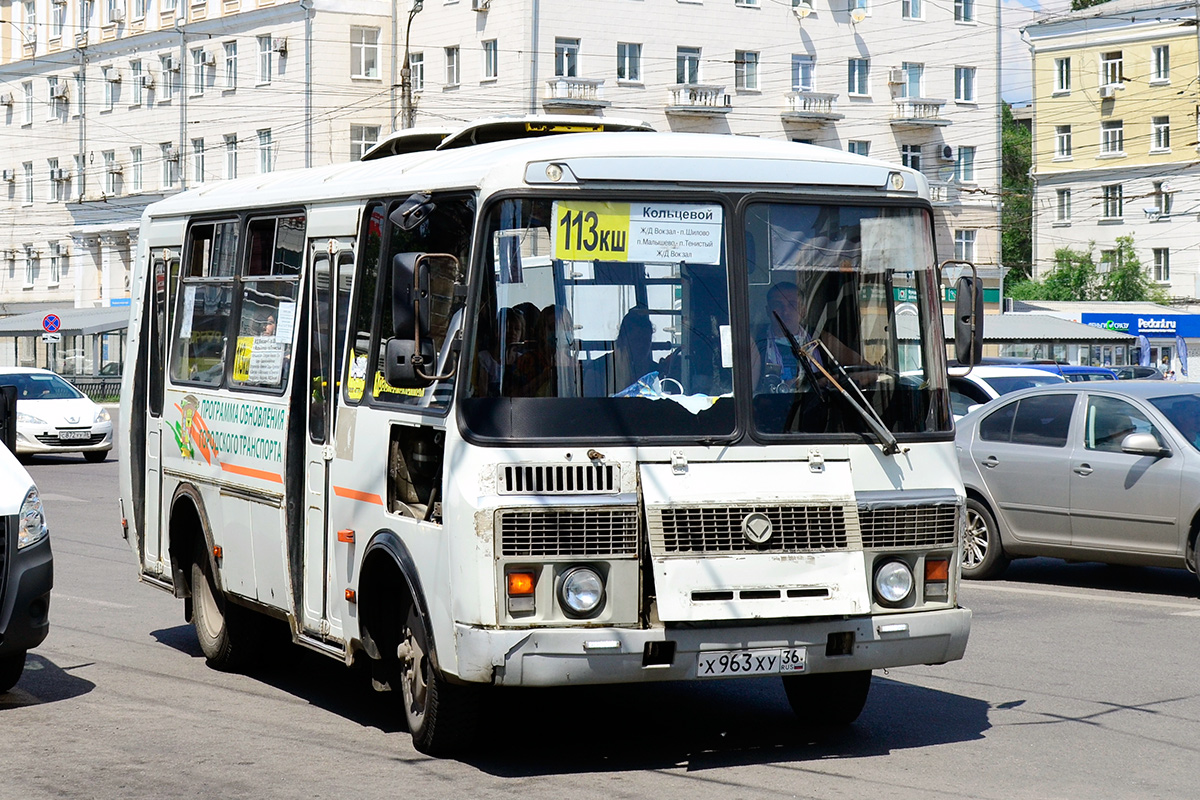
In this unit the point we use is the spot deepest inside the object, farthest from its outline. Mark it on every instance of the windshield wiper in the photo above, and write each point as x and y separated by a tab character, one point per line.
858	400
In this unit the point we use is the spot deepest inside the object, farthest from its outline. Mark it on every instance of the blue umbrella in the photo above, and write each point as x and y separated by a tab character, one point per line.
1181	349
1143	351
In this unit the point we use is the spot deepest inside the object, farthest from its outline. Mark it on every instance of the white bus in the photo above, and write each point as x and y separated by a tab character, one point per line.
578	409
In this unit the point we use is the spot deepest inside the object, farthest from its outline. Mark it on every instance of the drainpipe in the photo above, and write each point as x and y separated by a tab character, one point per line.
307	5
82	166
533	57
183	94
392	90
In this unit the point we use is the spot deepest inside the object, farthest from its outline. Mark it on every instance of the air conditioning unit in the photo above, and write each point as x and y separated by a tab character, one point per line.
8	175
947	153
59	92
280	46
1108	91
58	2
147	81
81	39
117	15
115	169
171	65
171	154
208	59
897	76
481	5
113	75
58	175
6	99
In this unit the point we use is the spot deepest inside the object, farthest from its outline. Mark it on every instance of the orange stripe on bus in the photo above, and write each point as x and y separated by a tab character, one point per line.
273	477
354	494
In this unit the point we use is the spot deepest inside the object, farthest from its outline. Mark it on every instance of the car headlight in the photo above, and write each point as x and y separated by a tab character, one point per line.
31	521
30	419
893	583
102	415
581	591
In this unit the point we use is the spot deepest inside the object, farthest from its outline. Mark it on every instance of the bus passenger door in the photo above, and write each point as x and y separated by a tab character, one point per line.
332	271
154	556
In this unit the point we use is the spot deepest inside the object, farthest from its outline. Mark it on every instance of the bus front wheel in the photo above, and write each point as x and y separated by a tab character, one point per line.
215	620
440	715
11	667
828	700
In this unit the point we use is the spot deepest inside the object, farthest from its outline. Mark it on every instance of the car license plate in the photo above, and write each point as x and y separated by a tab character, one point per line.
65	435
767	661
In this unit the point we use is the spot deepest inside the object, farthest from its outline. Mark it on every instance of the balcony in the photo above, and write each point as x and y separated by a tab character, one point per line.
919	113
698	99
815	107
944	194
567	94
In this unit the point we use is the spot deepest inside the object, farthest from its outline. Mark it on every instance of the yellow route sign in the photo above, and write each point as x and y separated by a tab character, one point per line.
586	231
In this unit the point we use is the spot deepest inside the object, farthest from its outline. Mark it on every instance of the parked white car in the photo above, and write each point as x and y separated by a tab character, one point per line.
55	417
985	383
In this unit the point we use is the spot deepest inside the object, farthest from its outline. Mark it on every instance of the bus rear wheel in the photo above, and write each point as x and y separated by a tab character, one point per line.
216	620
827	700
441	715
11	667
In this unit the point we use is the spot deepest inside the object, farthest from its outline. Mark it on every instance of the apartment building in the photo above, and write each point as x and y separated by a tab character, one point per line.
108	105
1115	137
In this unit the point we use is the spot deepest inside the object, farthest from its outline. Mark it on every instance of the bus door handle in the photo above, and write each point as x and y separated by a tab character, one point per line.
1083	469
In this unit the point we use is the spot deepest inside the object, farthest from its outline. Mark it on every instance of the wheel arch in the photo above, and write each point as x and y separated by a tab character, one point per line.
188	529
381	617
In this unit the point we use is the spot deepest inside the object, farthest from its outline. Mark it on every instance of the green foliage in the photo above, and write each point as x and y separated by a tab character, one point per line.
1016	194
1076	5
1126	280
1076	277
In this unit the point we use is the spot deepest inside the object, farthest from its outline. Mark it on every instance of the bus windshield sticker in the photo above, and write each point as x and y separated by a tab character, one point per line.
641	232
189	308
287	319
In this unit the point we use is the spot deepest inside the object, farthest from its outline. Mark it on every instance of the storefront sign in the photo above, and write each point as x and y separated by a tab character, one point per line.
1152	326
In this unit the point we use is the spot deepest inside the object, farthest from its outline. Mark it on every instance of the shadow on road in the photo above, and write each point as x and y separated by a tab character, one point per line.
1142	580
45	682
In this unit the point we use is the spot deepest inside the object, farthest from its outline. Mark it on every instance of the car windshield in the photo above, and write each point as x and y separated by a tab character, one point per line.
1003	384
39	386
1183	411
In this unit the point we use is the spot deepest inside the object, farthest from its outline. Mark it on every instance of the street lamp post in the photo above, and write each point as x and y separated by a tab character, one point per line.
407	112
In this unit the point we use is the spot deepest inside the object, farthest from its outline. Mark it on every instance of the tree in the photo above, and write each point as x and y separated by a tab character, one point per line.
1016	194
1076	5
1125	278
1076	277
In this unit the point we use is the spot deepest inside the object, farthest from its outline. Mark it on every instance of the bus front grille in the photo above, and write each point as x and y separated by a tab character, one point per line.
558	479
568	532
683	530
909	526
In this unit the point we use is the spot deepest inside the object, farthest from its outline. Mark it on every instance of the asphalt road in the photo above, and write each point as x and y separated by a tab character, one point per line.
1079	681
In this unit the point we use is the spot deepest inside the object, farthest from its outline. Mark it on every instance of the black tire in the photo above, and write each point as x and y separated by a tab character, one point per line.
827	700
442	717
11	667
221	627
983	554
95	456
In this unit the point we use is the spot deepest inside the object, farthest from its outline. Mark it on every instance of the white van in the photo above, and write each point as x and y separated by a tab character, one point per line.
26	564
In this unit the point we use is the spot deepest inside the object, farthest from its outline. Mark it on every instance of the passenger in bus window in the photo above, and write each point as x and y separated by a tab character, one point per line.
269	326
632	355
555	355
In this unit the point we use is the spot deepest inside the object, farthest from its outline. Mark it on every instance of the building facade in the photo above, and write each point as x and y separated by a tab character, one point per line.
109	105
1114	138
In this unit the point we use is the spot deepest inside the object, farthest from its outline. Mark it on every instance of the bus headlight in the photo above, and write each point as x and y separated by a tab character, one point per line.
31	521
581	591
893	583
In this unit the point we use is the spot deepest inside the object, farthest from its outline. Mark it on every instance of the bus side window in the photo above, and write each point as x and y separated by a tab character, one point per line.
201	328
358	324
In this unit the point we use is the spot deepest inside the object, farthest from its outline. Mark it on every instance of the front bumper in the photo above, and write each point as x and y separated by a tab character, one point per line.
44	439
26	577
554	657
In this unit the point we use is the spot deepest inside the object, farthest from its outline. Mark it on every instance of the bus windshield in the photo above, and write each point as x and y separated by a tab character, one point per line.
612	319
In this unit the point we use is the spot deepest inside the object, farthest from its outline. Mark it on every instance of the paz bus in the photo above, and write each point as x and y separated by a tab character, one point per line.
592	408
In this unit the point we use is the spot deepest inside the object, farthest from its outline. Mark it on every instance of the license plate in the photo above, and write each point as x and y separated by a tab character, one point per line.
767	661
65	435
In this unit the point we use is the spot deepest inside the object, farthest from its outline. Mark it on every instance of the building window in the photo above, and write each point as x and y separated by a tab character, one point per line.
1062	141
1160	133
27	168
964	168
745	2
199	63
914	80
416	71
964	84
1108	260
910	156
231	156
230	65
1160	63
802	73
135	82
362	139
1114	201
911	9
452	66
27	91
964	244
136	169
55	180
110	172
31	266
852	5
58	19
111	87
266	153
491	60
1112	138
745	70
170	79
80	172
566	58
964	10
1064	205
139	8
55	263
1162	264
1111	69
266	61
1062	75
687	65
860	69
364	52
1164	198
629	61
859	148
170	165
197	161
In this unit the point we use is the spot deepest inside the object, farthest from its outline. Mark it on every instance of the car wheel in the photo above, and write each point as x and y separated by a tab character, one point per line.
441	716
95	456
11	667
983	555
827	700
224	630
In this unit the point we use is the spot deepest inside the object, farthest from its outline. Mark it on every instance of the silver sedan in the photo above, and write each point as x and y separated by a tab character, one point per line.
1106	471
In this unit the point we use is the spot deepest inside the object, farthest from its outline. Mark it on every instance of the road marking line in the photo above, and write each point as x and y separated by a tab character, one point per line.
102	603
1186	614
1191	607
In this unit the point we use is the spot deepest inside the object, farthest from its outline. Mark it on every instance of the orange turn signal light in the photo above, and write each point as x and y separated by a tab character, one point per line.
351	596
346	535
217	551
520	583
937	570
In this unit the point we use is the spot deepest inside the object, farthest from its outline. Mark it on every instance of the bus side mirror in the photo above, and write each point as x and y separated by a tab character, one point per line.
968	320
8	417
404	295
405	368
422	292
